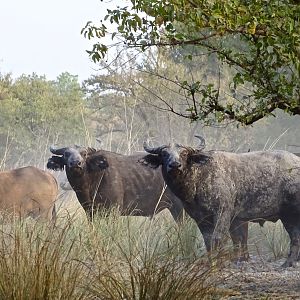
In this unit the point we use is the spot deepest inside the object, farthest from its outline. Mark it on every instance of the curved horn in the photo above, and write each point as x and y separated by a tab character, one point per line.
153	150
58	151
201	146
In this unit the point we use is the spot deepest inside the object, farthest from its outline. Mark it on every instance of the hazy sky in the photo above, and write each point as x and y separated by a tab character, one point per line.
44	36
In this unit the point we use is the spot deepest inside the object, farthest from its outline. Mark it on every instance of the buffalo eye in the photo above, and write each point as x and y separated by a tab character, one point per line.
164	154
100	163
200	159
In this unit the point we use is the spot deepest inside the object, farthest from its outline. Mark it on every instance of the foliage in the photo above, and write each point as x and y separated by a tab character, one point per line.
119	108
132	104
259	40
35	112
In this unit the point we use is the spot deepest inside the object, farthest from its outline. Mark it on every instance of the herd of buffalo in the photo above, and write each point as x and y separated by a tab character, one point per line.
220	190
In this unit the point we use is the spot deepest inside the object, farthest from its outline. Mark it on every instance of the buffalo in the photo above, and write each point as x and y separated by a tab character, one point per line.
222	190
103	179
28	191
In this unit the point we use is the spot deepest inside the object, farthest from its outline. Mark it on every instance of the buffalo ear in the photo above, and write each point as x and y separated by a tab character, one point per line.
97	163
150	160
56	163
200	159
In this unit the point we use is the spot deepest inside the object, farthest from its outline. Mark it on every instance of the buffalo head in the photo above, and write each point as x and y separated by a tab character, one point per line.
76	159
175	157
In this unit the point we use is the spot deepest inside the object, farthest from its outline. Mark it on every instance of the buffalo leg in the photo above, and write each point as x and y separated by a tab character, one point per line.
221	229
207	229
239	236
214	231
176	211
293	229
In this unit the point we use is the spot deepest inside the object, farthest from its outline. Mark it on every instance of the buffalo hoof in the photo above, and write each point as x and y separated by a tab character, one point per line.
244	258
241	259
288	264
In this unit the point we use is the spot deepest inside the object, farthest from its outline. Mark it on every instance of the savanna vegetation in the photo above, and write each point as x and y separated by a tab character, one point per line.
226	70
122	108
115	258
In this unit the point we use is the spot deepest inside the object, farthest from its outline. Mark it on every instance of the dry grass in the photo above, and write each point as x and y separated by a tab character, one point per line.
115	258
37	261
270	241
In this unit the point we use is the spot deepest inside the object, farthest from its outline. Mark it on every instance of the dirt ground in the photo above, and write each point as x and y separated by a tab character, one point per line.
259	279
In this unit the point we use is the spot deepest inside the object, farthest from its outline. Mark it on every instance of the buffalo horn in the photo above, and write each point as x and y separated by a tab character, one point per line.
153	150
59	151
201	146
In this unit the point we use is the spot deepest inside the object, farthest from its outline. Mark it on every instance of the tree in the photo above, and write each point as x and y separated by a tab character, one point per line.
258	40
36	112
125	110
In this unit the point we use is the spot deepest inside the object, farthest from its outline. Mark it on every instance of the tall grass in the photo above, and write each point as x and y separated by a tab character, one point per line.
145	260
38	262
270	241
113	258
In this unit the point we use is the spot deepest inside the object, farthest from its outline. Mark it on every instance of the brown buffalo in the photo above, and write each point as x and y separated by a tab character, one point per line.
222	190
102	179
28	191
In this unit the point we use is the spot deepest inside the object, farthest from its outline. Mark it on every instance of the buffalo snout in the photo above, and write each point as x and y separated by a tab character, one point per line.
173	165
76	164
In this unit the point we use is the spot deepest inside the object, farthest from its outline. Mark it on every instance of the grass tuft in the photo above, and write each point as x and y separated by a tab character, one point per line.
113	258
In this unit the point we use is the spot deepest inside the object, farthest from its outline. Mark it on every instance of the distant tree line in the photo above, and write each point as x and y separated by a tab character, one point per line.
120	108
36	112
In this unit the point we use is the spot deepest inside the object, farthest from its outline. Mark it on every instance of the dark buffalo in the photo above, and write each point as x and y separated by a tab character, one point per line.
222	190
102	179
28	191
